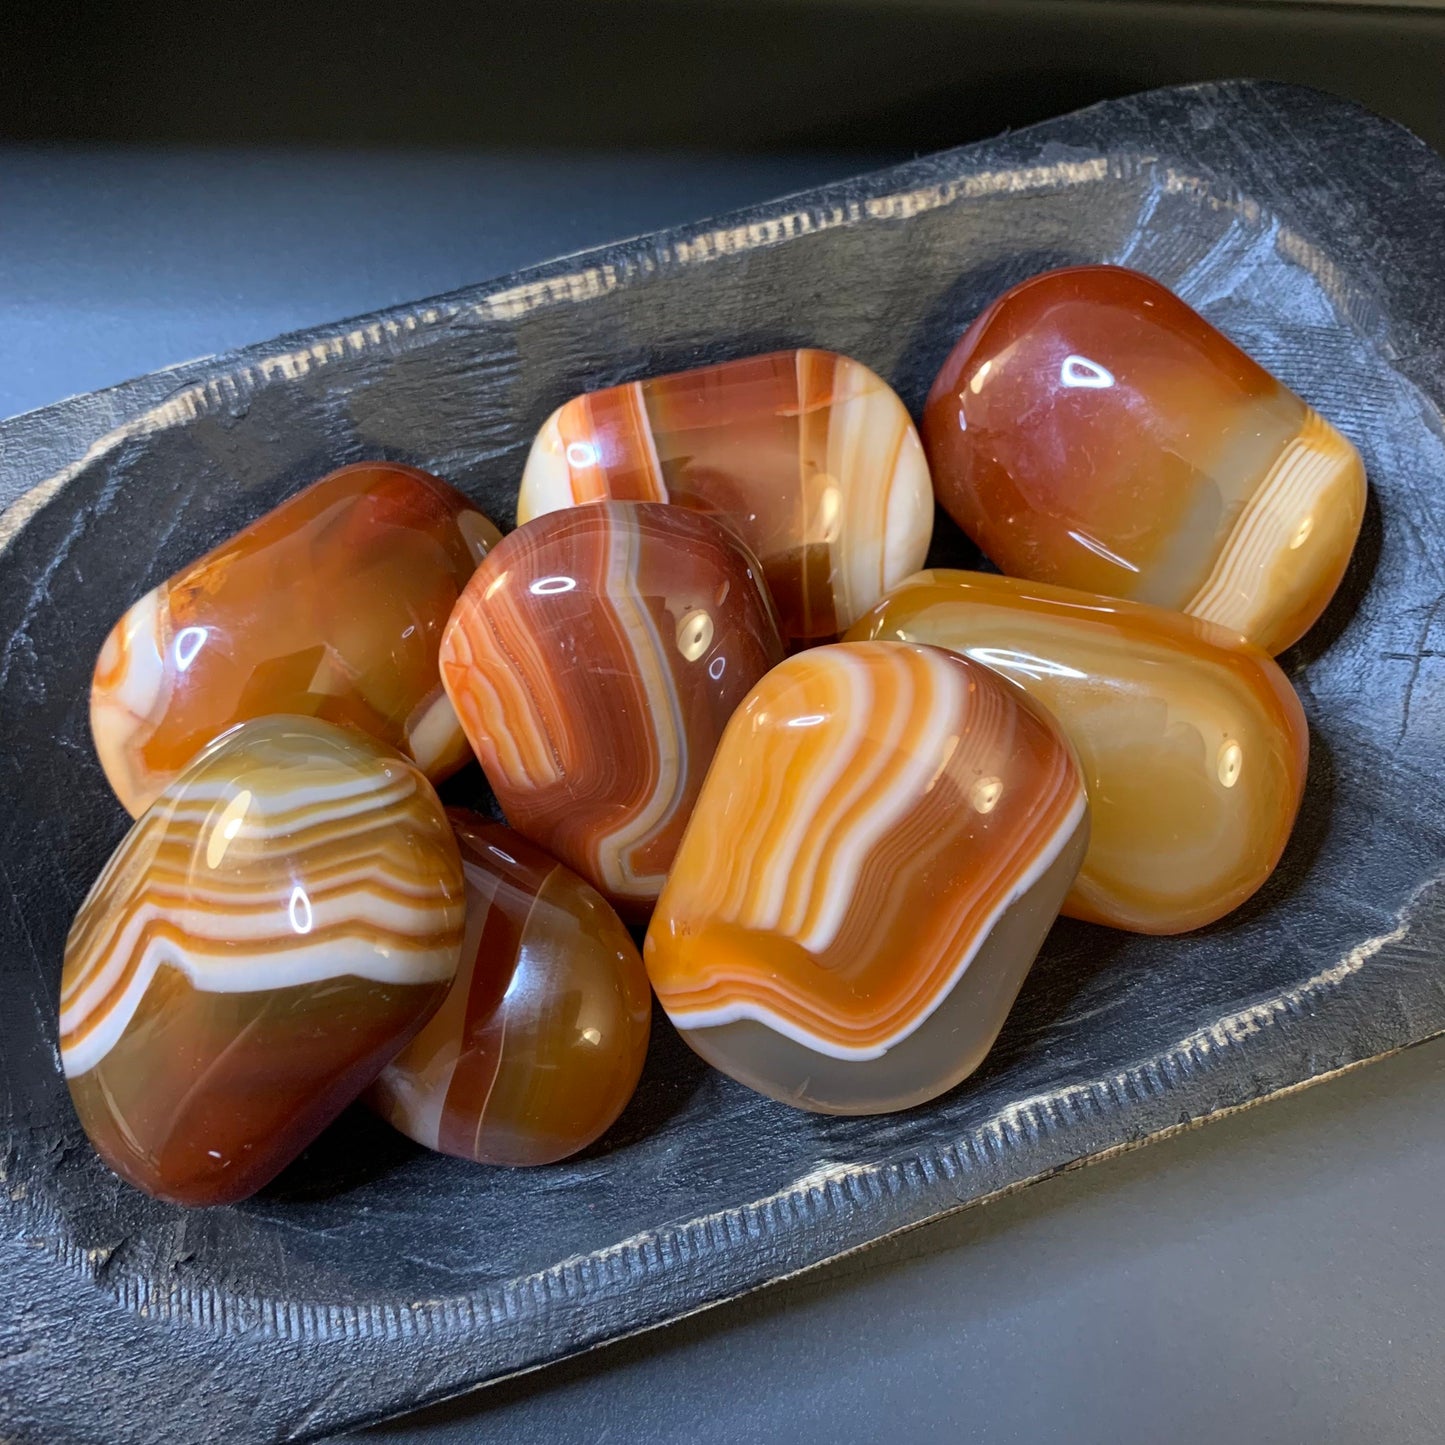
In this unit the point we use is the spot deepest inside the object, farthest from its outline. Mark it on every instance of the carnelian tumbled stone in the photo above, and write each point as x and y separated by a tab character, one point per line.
329	606
883	841
537	1048
594	660
1091	430
809	455
1192	741
271	931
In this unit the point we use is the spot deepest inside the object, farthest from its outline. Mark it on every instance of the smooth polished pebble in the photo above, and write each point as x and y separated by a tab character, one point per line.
331	606
539	1045
808	454
883	841
594	660
1192	741
1091	430
280	922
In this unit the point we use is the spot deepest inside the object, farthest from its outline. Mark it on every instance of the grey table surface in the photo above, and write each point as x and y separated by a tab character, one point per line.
1275	1277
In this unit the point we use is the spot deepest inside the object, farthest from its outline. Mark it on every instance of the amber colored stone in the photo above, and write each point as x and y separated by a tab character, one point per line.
809	455
537	1048
1091	430
329	606
883	841
594	660
271	931
1192	741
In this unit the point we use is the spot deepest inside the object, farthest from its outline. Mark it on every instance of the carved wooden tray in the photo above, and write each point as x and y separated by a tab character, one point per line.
373	1276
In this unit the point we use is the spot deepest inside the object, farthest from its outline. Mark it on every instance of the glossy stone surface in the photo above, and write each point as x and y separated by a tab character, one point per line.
537	1048
884	839
1093	431
277	925
594	660
330	606
1192	741
808	454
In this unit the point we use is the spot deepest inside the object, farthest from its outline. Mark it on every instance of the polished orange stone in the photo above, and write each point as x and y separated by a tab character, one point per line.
809	455
1091	430
594	659
1192	741
265	938
330	606
884	839
537	1048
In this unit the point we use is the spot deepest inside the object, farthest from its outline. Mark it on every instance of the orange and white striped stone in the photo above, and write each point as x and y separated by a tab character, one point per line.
265	937
593	661
809	455
884	839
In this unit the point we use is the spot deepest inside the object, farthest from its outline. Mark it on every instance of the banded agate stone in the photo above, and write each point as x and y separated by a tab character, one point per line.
594	659
883	841
330	606
539	1045
1091	430
276	926
808	454
1192	741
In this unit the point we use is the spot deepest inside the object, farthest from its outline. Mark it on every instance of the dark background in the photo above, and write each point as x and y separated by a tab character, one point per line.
756	75
174	181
